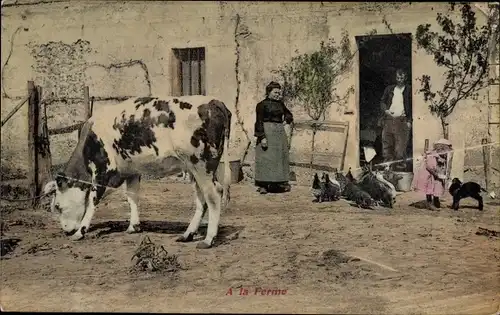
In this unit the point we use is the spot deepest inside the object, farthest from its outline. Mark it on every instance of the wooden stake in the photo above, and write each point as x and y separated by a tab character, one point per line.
44	160
344	151
32	133
486	162
91	106
449	156
86	106
86	102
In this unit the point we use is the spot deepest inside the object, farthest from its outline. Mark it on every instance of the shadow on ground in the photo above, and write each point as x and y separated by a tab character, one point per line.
225	234
466	207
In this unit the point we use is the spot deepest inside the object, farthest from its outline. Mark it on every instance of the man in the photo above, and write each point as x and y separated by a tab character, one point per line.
396	106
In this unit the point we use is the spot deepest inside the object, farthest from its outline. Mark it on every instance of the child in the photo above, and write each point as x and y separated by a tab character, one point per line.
431	177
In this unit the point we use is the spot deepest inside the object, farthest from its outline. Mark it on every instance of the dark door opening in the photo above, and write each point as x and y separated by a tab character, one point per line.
380	56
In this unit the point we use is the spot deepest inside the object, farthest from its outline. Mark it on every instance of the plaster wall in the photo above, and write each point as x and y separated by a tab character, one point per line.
125	48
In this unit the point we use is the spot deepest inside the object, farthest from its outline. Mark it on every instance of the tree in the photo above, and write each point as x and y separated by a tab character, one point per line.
310	80
462	49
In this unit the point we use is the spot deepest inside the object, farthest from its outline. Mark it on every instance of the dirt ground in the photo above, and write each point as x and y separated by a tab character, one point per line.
329	257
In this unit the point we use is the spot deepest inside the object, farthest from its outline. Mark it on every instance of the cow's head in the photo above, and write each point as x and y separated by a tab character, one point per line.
69	201
70	196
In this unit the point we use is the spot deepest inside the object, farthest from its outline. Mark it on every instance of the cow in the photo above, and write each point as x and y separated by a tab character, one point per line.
142	136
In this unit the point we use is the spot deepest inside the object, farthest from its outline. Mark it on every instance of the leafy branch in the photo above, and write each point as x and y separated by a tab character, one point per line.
311	79
462	48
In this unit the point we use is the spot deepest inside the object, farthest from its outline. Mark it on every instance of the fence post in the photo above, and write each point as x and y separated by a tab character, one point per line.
32	133
86	101
44	160
86	106
486	162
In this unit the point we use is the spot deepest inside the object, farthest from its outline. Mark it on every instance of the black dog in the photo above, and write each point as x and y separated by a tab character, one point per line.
461	190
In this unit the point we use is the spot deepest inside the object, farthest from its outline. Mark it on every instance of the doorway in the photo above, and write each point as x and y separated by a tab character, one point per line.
379	58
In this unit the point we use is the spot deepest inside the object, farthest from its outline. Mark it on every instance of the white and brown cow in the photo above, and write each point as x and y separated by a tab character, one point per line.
157	136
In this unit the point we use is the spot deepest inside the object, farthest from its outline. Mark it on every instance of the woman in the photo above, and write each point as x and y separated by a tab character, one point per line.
271	152
431	177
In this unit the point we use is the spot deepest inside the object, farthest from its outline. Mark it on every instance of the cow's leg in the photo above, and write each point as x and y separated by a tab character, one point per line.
213	198
89	214
198	214
133	186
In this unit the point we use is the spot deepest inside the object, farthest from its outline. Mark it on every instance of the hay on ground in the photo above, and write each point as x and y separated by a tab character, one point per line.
154	258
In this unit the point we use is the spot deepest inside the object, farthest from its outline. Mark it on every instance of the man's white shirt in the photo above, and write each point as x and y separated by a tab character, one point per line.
397	108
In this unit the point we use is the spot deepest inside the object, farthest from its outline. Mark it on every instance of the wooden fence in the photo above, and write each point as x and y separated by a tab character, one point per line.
39	156
321	160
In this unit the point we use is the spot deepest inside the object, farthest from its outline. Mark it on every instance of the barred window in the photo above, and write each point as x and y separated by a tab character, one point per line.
189	71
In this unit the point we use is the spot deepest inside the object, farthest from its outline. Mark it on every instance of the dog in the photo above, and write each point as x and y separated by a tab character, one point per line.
461	190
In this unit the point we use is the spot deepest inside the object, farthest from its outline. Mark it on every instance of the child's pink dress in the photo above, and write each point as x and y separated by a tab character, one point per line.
425	181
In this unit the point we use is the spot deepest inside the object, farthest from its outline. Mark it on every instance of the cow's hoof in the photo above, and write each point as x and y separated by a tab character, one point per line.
136	228
77	236
203	245
184	239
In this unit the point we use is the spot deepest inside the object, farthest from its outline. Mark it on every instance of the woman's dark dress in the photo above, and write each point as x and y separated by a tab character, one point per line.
272	165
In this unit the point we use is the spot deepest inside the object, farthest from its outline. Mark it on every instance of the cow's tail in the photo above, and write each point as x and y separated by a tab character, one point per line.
226	195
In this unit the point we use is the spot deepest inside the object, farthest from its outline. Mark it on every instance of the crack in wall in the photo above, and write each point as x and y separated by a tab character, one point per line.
33	3
127	64
5	95
387	25
239	119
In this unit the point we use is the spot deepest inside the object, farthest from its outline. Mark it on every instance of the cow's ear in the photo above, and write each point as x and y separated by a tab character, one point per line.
61	180
50	187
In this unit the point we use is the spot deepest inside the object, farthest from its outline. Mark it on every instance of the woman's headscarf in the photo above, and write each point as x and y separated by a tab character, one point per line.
271	86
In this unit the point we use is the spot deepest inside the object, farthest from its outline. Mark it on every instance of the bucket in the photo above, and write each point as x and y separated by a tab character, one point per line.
404	184
236	171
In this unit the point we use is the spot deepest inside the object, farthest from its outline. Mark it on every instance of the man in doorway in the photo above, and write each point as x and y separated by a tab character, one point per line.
396	108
